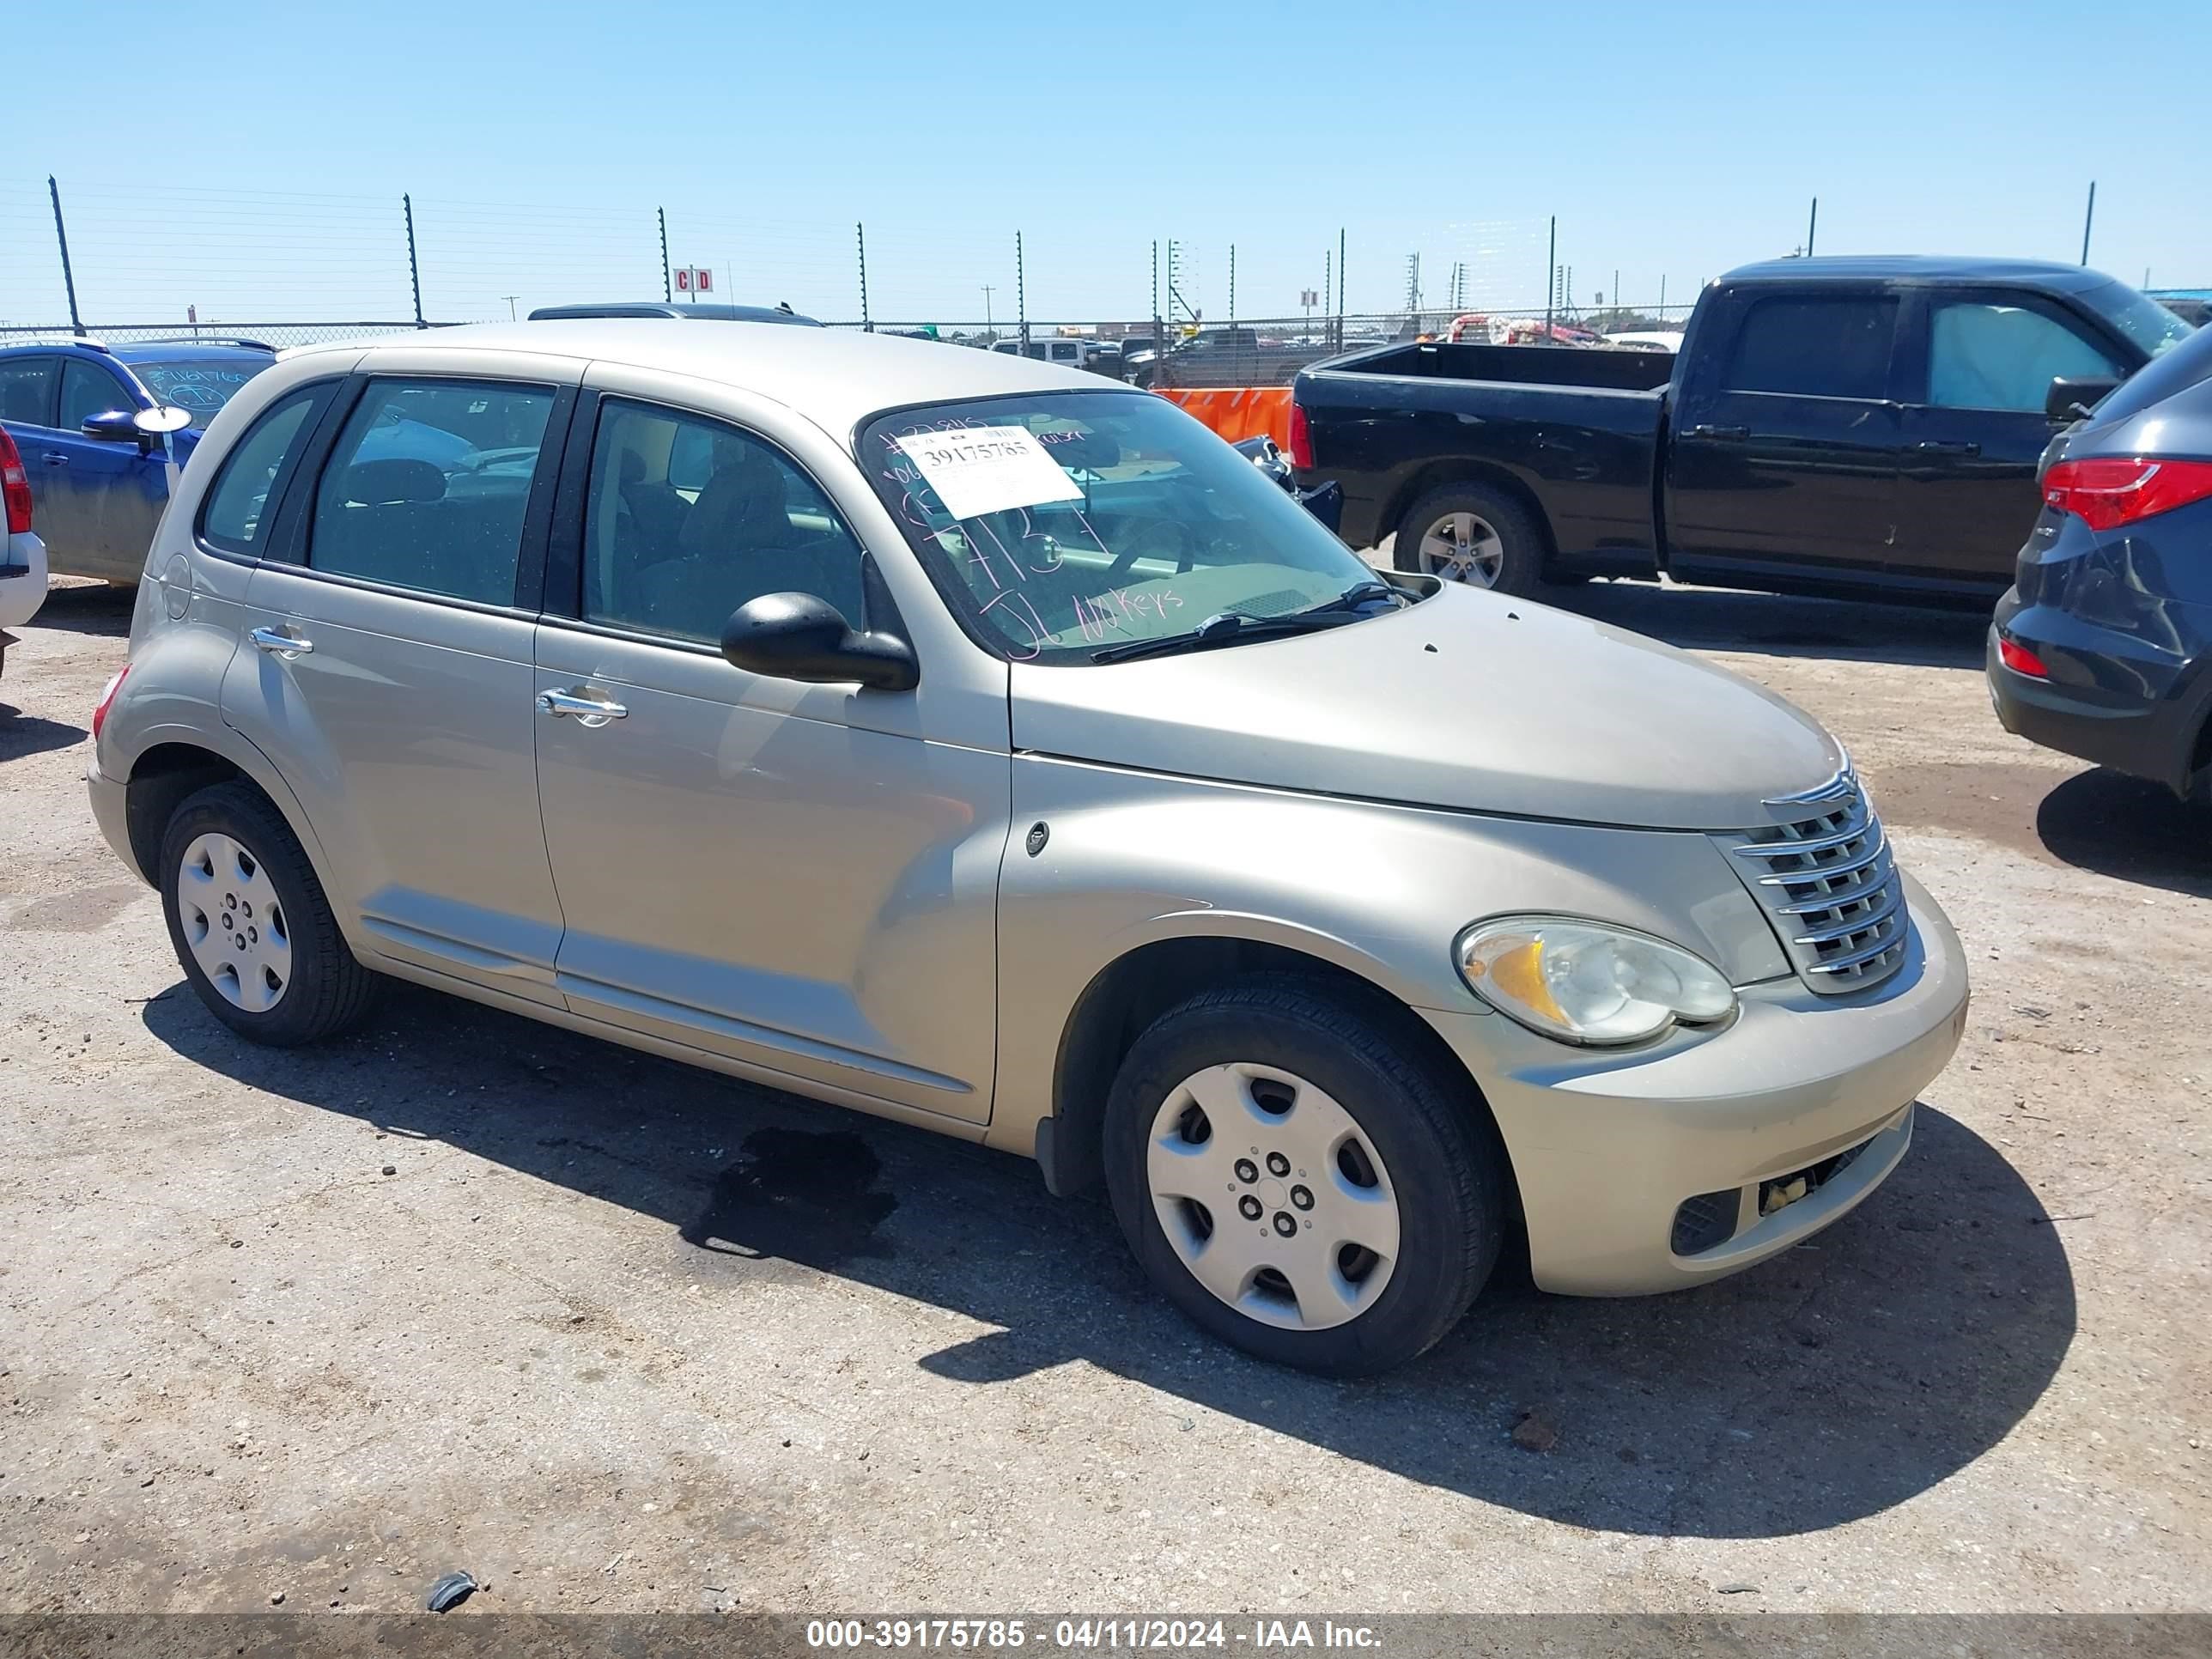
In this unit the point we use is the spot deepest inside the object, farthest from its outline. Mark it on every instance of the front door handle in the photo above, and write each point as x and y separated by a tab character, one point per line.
1733	434
279	643
1946	447
586	710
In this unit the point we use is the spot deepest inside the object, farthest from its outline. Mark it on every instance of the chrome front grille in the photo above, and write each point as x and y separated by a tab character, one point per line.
1823	874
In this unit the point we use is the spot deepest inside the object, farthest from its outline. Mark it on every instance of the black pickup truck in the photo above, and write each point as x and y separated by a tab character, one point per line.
1850	426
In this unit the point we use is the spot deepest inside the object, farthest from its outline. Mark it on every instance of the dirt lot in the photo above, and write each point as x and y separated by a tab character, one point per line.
465	1291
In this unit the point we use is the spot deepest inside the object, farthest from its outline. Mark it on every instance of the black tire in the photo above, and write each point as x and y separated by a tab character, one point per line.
1446	1169
328	990
1525	548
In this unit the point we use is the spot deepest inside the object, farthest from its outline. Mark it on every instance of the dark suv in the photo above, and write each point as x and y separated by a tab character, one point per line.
97	484
2103	647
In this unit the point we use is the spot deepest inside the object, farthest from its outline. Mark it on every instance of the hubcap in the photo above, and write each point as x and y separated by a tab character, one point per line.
233	923
1273	1196
1463	547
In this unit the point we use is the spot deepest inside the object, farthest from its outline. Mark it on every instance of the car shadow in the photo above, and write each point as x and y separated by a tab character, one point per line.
87	608
1783	625
2129	828
22	734
1845	1377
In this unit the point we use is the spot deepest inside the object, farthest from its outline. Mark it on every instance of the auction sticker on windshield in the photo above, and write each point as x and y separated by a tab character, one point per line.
987	468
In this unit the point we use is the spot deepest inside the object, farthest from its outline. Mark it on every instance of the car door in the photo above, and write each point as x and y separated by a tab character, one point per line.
115	488
1784	448
30	388
1979	367
797	879
391	680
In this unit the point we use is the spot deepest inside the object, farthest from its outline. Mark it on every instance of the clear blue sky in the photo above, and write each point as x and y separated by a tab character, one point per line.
538	140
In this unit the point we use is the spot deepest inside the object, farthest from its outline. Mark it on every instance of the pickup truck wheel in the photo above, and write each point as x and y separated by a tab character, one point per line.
1295	1184
252	928
1471	533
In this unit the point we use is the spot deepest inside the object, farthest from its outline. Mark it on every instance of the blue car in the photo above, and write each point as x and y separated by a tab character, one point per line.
2103	648
98	485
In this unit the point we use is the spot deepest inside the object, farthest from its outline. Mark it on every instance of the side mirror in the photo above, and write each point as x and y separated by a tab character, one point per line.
798	636
116	426
2072	396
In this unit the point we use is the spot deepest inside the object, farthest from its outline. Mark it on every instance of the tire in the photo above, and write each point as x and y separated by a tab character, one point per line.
1505	552
294	981
1417	1138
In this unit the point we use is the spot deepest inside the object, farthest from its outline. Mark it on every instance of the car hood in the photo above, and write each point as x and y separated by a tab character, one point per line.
1468	700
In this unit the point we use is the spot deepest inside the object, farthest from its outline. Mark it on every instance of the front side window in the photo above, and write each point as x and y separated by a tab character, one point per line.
201	387
27	390
88	389
1816	346
688	518
427	487
1060	524
236	517
1986	354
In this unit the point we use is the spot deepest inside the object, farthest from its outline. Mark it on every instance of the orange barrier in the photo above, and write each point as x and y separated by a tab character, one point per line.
1239	412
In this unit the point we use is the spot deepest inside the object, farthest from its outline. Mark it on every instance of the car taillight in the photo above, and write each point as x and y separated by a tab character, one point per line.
2020	660
107	697
1301	438
2107	493
15	485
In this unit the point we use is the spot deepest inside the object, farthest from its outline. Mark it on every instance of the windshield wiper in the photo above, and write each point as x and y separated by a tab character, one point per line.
1226	628
1359	594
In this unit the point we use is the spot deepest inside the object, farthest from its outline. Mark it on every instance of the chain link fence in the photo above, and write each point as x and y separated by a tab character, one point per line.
276	335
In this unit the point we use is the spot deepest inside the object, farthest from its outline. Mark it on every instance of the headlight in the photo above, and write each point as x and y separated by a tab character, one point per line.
1582	981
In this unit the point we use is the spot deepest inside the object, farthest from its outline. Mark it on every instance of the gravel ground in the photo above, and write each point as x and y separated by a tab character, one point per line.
466	1291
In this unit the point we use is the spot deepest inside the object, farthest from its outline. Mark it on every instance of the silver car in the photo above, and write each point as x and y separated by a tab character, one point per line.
970	742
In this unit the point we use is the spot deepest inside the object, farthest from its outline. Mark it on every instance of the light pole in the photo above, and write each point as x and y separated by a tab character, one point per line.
510	299
986	308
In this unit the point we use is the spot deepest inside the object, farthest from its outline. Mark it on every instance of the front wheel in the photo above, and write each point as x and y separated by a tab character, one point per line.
1474	534
252	928
1297	1185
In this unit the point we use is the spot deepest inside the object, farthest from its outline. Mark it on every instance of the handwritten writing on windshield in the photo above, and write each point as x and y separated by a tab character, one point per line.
1116	607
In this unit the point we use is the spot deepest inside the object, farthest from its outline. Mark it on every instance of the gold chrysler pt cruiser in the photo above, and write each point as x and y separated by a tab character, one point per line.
986	746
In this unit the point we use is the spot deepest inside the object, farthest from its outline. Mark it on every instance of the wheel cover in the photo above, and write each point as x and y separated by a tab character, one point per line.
1273	1196
233	923
1463	547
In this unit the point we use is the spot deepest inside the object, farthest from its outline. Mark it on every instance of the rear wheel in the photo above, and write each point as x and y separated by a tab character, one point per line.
1295	1184
1475	534
250	926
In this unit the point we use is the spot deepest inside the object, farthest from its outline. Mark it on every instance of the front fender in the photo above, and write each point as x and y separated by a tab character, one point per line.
1128	858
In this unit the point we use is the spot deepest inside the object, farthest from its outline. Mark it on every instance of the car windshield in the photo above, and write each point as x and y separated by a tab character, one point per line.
2144	321
1060	524
200	387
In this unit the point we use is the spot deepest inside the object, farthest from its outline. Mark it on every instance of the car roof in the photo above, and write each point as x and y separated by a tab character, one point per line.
837	378
707	313
160	351
189	351
1921	268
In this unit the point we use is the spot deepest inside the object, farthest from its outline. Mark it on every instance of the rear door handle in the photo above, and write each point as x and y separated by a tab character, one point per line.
1946	447
279	643
1732	434
53	459
586	710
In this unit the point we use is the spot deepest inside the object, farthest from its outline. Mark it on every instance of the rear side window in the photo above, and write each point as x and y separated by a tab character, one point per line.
1816	346
427	487
236	516
88	389
26	390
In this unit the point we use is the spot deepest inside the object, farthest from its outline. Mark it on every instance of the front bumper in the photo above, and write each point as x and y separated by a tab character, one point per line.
1607	1148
